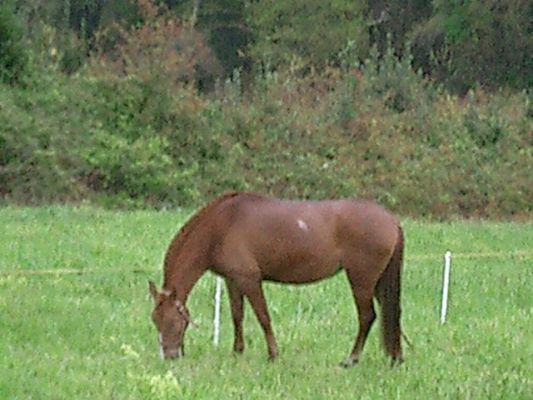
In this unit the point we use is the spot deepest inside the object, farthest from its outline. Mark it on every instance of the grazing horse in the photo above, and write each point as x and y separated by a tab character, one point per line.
247	238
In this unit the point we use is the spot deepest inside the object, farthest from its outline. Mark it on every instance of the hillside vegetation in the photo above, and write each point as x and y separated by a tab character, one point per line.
142	106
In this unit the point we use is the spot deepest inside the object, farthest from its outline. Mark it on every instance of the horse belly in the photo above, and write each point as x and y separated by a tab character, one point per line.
292	243
299	265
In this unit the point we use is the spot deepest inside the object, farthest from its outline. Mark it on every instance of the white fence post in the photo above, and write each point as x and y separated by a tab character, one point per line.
445	285
216	319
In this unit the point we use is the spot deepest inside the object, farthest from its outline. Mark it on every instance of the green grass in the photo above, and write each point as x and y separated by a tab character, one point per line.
88	335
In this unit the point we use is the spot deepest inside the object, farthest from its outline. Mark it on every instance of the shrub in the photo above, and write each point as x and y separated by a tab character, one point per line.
163	52
378	130
141	169
13	56
306	34
473	43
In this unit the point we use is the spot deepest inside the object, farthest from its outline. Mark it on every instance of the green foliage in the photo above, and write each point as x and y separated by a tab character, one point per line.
395	81
162	52
380	131
486	44
224	22
306	33
69	156
35	158
131	129
460	43
141	168
391	21
13	55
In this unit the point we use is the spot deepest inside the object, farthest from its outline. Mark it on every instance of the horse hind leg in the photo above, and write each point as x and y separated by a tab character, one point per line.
237	314
363	294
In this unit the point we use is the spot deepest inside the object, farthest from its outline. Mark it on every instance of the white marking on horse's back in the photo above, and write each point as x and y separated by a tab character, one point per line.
302	224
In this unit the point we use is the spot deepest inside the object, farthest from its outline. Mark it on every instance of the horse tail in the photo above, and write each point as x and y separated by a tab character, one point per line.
388	295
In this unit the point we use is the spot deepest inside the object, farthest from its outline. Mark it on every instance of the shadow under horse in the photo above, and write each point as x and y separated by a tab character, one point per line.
247	238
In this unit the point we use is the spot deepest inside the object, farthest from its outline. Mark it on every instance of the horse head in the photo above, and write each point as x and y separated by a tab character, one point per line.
171	319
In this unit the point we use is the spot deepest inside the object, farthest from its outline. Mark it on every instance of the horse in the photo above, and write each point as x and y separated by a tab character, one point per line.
248	238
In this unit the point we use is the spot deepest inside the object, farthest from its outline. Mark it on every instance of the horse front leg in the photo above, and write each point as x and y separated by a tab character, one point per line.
254	292
237	314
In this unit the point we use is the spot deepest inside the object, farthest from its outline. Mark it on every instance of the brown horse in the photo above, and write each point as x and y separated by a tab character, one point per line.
247	238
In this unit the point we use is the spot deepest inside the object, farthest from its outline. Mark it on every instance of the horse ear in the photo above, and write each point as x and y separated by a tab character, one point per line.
153	290
185	313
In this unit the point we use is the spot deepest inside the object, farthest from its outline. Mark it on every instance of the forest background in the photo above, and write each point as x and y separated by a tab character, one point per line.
425	106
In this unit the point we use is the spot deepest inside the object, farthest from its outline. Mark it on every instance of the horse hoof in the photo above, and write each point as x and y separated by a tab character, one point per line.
396	362
347	363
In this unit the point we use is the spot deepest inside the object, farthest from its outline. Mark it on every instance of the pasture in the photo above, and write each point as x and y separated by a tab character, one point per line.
74	317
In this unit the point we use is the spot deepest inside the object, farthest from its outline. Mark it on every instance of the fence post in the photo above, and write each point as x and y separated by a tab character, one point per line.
216	319
445	285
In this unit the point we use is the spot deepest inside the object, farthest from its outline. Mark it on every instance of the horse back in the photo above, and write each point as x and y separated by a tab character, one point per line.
302	241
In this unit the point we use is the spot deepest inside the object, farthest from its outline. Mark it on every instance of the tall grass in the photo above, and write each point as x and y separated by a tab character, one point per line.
87	333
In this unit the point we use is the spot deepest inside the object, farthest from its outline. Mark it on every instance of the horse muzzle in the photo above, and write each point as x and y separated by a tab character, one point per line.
171	354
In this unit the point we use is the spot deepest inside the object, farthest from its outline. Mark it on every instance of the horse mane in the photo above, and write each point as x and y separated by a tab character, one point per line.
183	234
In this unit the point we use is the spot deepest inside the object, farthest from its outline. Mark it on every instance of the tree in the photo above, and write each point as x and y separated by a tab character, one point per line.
13	56
478	42
224	22
392	20
311	31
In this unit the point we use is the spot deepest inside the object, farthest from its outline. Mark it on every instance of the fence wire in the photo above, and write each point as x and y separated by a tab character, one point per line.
72	271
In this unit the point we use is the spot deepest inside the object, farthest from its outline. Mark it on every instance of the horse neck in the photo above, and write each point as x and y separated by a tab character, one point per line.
186	267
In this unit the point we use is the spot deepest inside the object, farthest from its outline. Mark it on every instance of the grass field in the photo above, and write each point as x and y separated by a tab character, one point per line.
74	318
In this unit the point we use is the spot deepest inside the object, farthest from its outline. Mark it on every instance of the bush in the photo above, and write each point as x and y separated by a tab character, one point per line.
141	169
13	56
379	131
163	52
467	44
307	34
